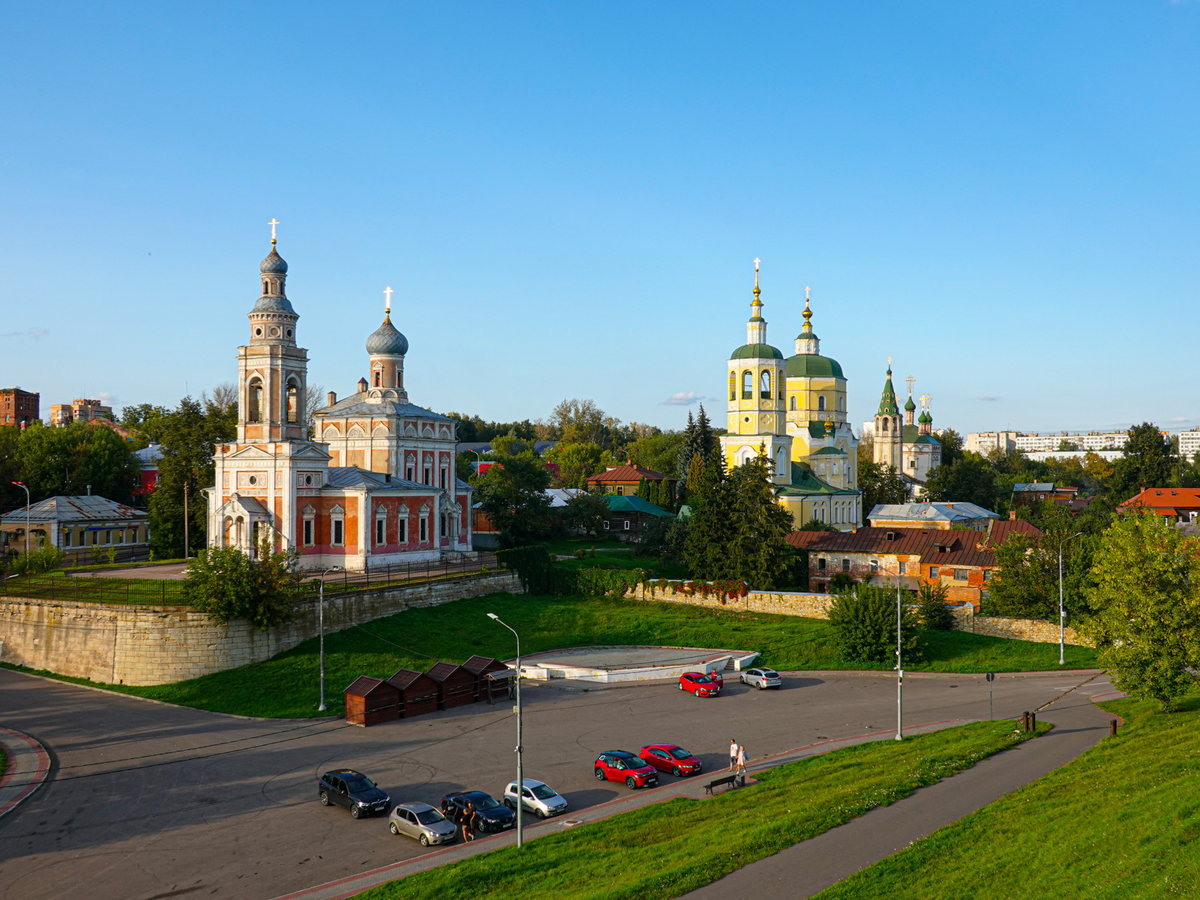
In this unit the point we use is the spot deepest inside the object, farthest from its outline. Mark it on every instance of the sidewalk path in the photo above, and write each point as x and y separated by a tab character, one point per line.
27	767
692	787
809	867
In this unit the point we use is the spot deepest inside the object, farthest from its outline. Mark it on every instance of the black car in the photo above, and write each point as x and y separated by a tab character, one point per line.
353	790
493	815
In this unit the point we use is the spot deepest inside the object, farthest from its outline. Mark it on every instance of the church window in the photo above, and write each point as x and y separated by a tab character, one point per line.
397	378
885	424
254	411
424	529
732	386
842	404
293	403
442	526
765	389
402	533
793	403
378	378
265	283
821	403
308	532
380	531
339	532
428	474
747	385
445	477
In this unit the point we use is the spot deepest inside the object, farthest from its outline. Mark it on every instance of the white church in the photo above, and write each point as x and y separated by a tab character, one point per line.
376	485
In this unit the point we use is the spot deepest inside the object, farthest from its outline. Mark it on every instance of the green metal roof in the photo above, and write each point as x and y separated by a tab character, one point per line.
620	504
816	429
806	336
928	439
810	365
887	402
756	351
909	434
805	483
909	406
830	451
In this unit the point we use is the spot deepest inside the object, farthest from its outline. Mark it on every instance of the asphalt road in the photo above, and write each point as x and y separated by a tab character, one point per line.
148	801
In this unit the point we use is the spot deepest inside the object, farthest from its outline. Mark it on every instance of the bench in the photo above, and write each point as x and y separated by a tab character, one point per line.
717	782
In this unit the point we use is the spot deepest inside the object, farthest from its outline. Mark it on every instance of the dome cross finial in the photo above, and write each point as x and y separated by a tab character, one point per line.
387	301
273	223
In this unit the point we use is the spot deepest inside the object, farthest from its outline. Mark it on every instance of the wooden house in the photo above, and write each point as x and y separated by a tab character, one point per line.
370	701
418	693
491	676
456	686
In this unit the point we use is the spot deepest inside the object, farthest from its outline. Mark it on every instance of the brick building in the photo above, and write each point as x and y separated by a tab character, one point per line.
18	407
964	561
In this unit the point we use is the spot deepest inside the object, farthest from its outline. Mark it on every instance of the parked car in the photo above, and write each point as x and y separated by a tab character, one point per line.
353	790
617	765
699	684
762	678
423	822
494	816
671	758
539	798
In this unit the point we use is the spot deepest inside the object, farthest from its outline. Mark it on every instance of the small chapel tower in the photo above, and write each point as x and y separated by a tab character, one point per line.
757	411
888	434
272	370
386	348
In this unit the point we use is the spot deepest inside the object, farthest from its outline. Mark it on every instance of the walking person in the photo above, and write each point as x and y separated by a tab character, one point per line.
469	821
741	761
733	754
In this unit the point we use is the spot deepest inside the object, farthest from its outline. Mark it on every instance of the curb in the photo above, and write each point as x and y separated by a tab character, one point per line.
27	769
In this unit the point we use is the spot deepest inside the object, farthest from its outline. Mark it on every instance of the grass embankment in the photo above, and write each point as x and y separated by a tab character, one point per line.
1121	821
670	848
285	685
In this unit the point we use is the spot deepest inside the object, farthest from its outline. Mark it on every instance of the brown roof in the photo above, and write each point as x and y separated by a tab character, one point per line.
477	665
404	678
442	671
1165	501
957	547
362	686
626	474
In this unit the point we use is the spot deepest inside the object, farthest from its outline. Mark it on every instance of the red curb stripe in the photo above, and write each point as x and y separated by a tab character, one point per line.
39	776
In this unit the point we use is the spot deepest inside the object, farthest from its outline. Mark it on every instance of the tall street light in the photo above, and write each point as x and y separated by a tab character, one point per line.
899	667
520	770
321	619
28	503
1062	612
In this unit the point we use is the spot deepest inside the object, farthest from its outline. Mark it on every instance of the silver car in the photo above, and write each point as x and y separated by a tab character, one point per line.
762	678
539	798
423	822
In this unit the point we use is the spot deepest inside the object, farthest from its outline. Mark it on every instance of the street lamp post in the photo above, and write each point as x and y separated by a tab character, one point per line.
28	503
1062	612
899	668
520	770
321	619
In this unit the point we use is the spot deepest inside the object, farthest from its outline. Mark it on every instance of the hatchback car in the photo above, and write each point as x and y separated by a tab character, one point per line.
539	798
762	678
617	765
671	758
423	822
353	790
699	684
493	815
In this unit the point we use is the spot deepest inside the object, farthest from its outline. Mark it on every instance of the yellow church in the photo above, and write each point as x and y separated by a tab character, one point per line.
794	411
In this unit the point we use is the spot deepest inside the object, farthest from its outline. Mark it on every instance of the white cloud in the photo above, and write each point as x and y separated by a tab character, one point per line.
989	399
684	398
107	399
34	333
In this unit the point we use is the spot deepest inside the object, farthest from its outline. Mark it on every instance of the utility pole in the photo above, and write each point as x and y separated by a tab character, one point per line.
520	770
28	503
899	668
321	620
1062	611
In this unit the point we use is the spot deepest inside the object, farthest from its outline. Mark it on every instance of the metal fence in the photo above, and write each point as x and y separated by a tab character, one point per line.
405	573
143	591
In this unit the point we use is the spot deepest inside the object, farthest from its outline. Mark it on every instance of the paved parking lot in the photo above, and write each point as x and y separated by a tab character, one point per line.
150	801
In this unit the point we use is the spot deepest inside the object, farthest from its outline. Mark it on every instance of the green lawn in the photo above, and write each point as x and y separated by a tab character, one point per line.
565	546
1122	821
56	586
286	685
670	848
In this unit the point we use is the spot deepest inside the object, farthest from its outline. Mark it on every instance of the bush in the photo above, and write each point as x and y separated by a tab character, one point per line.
227	584
46	559
841	582
864	624
932	609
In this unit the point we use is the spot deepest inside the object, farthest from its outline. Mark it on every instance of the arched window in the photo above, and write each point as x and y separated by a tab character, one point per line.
293	403
732	386
265	284
398	378
254	395
821	403
885	424
747	385
793	403
841	404
765	386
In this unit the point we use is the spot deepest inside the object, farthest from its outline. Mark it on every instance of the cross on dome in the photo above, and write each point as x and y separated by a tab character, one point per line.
273	223
387	303
910	381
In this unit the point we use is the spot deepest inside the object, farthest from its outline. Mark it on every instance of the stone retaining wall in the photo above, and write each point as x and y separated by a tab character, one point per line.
121	644
816	606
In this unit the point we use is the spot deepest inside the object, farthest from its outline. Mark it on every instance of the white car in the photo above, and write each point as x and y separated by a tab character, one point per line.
537	797
762	678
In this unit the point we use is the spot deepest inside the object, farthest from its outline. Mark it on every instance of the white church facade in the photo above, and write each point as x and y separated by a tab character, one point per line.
376	485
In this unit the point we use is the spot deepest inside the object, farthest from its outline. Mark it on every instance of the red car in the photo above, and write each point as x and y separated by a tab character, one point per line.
617	765
671	758
700	684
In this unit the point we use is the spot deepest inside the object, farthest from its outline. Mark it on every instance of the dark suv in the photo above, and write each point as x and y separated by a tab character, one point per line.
353	790
493	816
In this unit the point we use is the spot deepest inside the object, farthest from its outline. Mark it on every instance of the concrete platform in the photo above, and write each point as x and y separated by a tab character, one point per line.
612	665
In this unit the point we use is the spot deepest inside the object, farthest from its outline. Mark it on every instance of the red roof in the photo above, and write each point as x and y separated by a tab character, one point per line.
477	665
1165	501
626	475
362	686
404	678
443	670
934	546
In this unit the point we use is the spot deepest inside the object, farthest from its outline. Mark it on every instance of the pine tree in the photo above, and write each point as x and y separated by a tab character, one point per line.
710	533
688	450
705	439
644	489
759	550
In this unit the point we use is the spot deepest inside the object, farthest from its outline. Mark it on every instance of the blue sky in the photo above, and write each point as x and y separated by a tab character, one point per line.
567	199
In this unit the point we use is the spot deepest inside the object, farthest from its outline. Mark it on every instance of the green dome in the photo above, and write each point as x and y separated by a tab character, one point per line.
756	351
809	365
909	406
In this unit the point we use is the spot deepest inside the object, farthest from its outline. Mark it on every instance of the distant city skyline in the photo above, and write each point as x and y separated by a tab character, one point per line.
1002	199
